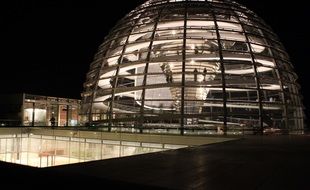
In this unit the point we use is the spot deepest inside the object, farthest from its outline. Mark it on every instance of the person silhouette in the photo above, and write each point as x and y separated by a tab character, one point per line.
195	74
53	121
204	74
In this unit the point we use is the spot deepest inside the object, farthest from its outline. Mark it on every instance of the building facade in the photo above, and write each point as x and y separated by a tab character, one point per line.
35	110
193	64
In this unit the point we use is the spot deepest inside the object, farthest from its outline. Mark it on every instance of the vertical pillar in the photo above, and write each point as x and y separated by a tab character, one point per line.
148	59
67	116
22	111
58	114
257	79
220	49
183	71
115	80
33	113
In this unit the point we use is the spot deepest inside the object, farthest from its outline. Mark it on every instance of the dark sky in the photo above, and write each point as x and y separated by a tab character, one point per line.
47	45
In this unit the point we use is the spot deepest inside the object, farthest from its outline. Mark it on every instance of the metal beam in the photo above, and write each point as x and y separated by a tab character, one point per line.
148	59
222	69
184	68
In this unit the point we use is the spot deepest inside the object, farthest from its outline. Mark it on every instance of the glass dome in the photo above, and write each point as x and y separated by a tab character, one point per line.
193	66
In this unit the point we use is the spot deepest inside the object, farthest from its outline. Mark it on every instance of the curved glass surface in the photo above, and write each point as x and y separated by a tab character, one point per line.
192	64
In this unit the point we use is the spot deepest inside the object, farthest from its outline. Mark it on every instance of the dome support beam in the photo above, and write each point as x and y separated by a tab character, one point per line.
183	70
114	85
148	59
285	111
257	80
222	70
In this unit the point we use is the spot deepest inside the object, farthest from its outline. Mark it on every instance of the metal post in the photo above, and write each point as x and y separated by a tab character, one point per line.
183	71
222	71
259	94
33	113
67	119
148	59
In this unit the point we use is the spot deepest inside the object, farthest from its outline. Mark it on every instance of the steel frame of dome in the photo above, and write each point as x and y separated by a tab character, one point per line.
191	65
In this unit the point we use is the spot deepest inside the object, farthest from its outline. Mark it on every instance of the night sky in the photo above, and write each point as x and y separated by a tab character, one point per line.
47	45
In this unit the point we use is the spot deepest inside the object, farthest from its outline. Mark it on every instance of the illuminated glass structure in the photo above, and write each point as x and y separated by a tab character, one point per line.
193	64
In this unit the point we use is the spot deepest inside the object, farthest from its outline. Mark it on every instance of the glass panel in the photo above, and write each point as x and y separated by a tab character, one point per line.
229	26
165	34
272	96
201	34
227	17
199	13
274	116
205	24
39	151
198	47
139	37
252	30
204	115
125	104
234	46
35	114
167	73
172	14
242	117
238	71
234	36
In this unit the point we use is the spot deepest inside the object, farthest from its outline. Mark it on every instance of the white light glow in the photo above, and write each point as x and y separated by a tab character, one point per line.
39	115
43	152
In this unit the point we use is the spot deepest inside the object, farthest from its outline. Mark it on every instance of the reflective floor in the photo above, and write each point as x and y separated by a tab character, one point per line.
46	151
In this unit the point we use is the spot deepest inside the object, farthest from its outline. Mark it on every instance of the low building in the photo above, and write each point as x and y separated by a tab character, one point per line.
36	110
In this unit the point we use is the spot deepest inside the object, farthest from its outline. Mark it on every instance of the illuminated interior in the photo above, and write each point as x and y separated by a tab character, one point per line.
47	151
190	64
38	111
